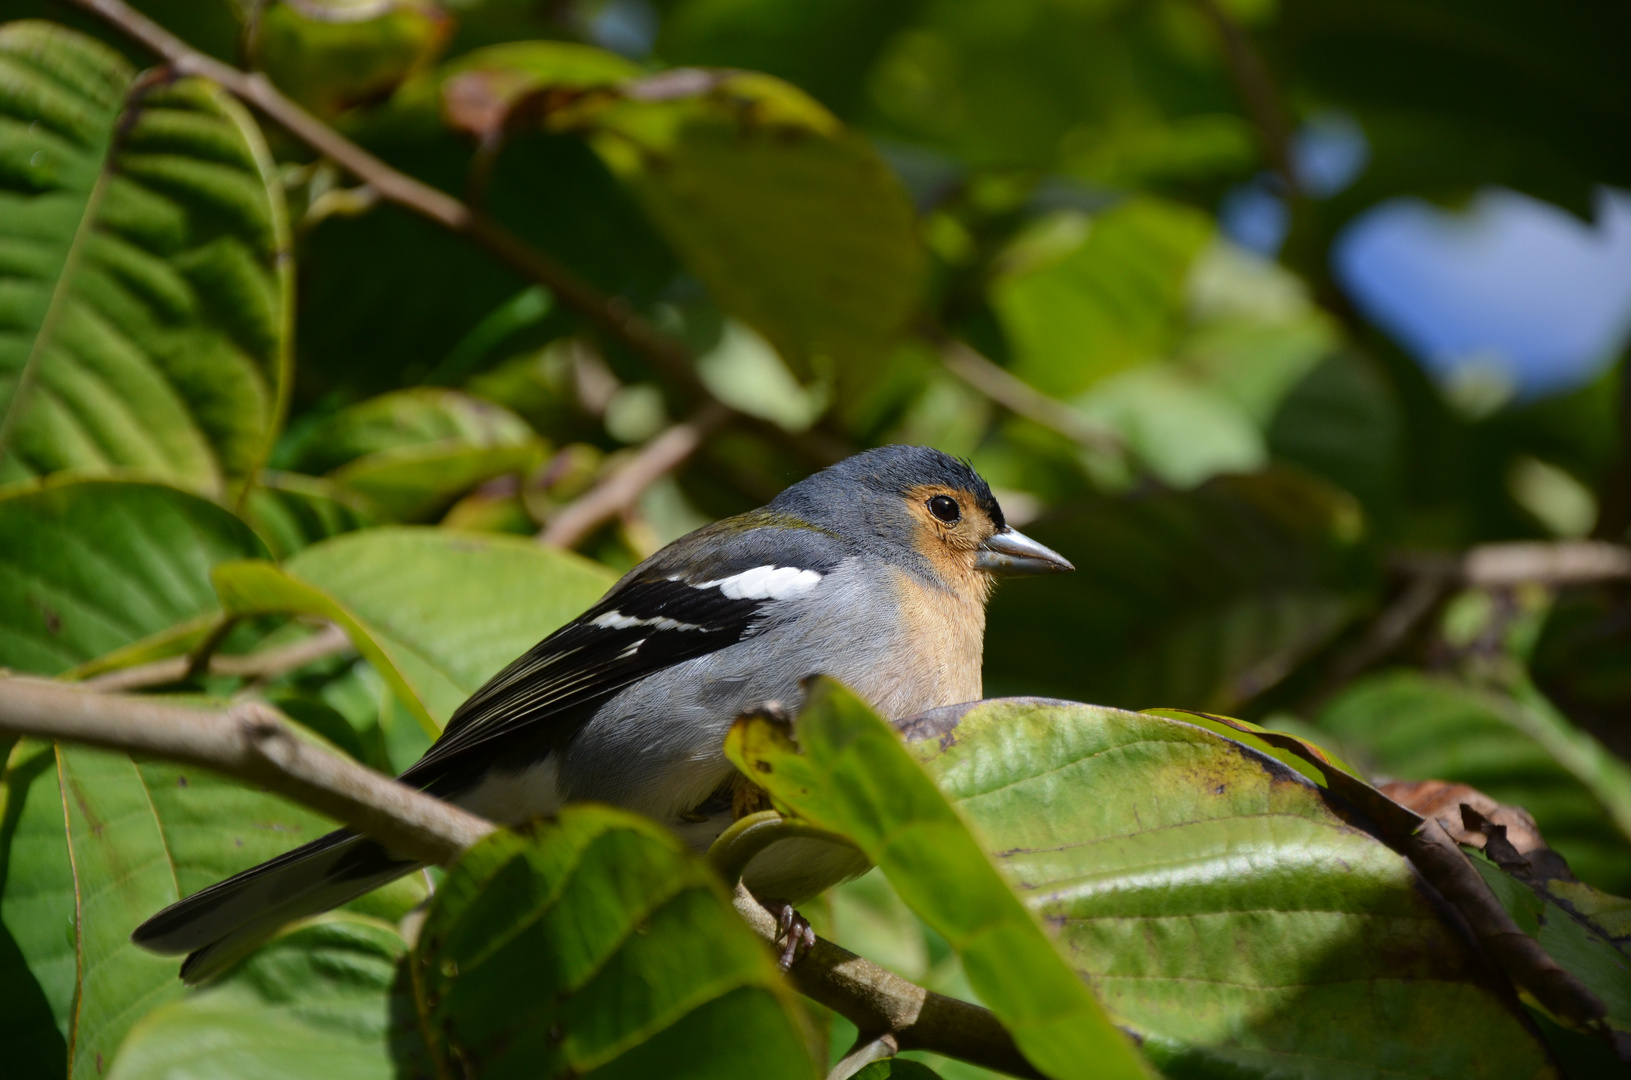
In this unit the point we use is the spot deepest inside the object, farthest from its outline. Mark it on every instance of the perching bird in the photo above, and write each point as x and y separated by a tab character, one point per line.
875	572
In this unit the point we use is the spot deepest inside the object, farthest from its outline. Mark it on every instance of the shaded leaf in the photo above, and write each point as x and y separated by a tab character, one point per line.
437	612
36	914
91	566
315	1002
1199	599
848	774
151	315
636	963
412	452
289	511
1237	918
1411	726
794	223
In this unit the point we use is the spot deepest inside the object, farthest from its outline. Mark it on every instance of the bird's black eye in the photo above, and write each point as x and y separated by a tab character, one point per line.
945	508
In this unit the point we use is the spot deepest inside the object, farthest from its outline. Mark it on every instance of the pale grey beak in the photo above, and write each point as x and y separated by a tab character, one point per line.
1010	553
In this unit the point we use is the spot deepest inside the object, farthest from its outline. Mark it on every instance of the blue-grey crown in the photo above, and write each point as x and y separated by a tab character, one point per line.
888	471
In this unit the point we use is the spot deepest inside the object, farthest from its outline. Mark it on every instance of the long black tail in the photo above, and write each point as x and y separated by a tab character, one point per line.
219	924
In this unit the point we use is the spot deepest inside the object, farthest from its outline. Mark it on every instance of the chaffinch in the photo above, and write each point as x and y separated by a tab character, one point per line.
875	572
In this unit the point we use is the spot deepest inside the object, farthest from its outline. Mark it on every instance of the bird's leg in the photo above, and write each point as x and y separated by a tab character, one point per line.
793	927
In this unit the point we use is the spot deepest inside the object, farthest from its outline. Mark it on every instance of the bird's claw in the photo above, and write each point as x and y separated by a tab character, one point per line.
793	932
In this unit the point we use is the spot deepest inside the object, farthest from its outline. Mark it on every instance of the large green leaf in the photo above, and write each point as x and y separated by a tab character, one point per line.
1411	726
143	835
1573	942
849	774
437	612
1200	599
633	961
36	914
410	453
331	55
1083	298
290	511
147	277
91	566
1227	909
313	1004
793	222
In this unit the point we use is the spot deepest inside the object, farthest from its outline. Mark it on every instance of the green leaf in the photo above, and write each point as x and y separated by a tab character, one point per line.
437	612
290	511
91	566
36	914
331	55
150	315
896	1069
141	836
481	88
1224	907
314	1003
794	223
850	775
411	453
1413	726
1083	298
1572	942
634	960
1200	599
1341	422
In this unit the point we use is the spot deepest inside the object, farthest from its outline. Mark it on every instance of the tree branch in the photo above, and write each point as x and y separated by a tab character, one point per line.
618	493
880	1003
329	641
249	742
1019	397
1257	91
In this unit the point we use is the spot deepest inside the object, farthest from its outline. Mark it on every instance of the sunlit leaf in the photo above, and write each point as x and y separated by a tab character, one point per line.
436	612
90	566
1223	906
634	961
1083	298
313	1004
330	55
150	315
849	774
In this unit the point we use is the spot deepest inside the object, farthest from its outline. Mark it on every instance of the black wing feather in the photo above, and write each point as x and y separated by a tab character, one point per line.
570	673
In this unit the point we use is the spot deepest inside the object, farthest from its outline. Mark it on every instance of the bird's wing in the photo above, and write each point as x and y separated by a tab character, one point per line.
668	610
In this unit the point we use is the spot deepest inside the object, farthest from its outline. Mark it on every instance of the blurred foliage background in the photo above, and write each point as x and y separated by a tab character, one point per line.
1286	320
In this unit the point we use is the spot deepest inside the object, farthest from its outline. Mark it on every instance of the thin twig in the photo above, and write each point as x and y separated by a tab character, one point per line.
1257	91
1559	562
1021	398
617	493
329	641
877	1000
251	743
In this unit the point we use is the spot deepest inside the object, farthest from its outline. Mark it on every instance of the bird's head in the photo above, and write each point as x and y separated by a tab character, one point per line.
923	509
